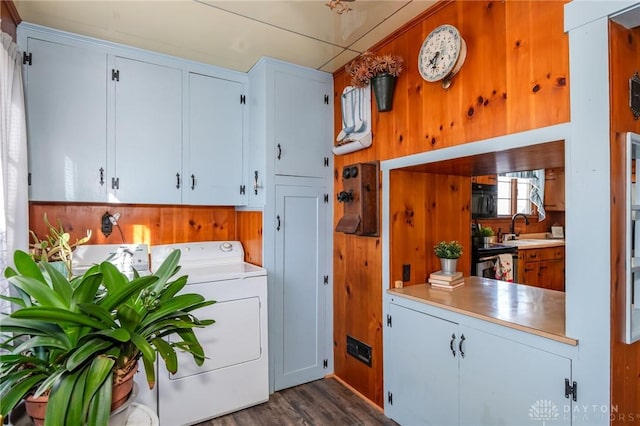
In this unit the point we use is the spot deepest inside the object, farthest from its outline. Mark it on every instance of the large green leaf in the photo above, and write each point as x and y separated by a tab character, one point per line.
98	312
167	353
59	282
57	315
168	268
86	288
43	341
195	348
173	288
100	405
171	307
17	392
101	369
30	327
59	399
113	299
141	343
49	381
87	351
77	410
118	334
150	372
112	277
27	266
128	317
38	290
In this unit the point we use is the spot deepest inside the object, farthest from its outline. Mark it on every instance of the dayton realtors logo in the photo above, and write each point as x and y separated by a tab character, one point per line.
544	410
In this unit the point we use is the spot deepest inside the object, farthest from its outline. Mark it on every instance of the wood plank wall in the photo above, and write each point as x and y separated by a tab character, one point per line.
9	17
624	61
154	224
515	78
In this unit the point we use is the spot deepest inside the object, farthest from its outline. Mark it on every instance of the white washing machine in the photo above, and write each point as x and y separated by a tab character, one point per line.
235	374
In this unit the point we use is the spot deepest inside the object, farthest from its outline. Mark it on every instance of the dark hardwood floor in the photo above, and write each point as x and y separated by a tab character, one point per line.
323	402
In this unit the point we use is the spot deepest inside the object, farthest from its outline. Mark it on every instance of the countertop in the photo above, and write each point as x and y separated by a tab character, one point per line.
531	309
534	241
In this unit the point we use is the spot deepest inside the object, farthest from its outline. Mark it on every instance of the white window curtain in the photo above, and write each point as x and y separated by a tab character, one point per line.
14	220
536	195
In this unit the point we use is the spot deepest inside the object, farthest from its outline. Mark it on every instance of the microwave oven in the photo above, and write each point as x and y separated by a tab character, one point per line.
484	201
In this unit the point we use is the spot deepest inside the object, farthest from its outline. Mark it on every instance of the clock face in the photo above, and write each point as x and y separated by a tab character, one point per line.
439	53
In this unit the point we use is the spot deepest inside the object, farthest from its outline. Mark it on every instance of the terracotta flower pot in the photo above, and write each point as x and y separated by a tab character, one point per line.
37	407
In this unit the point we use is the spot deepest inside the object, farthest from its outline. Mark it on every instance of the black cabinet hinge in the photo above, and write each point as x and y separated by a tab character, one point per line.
26	58
115	75
242	189
390	398
570	390
326	161
326	198
389	321
326	99
326	279
29	179
325	363
243	99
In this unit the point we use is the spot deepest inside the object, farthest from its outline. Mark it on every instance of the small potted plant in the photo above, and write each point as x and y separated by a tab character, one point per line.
381	71
449	252
487	235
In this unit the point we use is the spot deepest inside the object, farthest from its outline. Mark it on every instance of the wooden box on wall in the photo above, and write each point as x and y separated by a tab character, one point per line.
360	199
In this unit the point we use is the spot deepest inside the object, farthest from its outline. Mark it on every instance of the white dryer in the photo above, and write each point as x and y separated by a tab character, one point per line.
235	374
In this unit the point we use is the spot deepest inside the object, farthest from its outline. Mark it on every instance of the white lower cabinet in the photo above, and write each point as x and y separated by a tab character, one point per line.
440	372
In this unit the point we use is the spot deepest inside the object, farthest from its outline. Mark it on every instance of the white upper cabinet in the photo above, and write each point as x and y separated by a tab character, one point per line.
301	124
214	156
148	133
110	123
66	92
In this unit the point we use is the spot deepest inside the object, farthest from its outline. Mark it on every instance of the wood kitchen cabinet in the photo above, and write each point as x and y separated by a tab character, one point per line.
542	267
66	92
441	372
291	166
554	189
214	156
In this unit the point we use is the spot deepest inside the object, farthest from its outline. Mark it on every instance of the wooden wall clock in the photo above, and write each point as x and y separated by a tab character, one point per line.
442	54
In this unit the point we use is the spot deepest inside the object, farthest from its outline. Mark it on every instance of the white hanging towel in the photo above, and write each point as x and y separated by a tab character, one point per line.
355	103
504	267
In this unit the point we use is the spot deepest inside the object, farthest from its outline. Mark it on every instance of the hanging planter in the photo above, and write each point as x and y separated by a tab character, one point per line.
383	86
381	71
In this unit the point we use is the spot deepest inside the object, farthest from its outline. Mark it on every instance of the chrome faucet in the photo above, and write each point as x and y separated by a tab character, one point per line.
513	220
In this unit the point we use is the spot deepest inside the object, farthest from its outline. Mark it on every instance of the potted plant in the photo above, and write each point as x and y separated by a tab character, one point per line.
56	247
74	338
487	235
449	252
382	71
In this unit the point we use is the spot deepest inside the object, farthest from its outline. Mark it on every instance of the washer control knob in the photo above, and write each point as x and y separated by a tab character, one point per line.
226	246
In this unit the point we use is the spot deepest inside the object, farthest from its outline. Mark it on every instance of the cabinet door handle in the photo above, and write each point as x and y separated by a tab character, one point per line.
451	343
278	226
193	182
177	180
279	152
101	176
462	339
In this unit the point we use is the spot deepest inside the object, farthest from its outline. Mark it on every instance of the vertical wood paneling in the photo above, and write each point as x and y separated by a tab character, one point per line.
249	233
624	60
491	96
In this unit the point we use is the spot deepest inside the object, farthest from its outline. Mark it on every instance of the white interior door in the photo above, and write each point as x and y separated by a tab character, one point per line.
300	303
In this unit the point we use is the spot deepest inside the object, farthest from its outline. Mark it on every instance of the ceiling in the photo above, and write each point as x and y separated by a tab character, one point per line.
232	34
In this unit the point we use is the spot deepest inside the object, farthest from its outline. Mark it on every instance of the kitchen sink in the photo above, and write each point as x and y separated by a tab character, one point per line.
534	242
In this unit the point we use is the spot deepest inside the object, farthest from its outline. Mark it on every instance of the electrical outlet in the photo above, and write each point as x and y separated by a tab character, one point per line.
106	225
406	272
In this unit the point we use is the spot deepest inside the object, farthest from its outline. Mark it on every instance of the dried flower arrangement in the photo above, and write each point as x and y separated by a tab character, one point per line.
366	66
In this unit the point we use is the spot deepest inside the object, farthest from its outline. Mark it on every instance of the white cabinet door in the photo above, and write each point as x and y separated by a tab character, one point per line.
301	261
215	156
66	96
148	133
503	382
422	363
302	124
